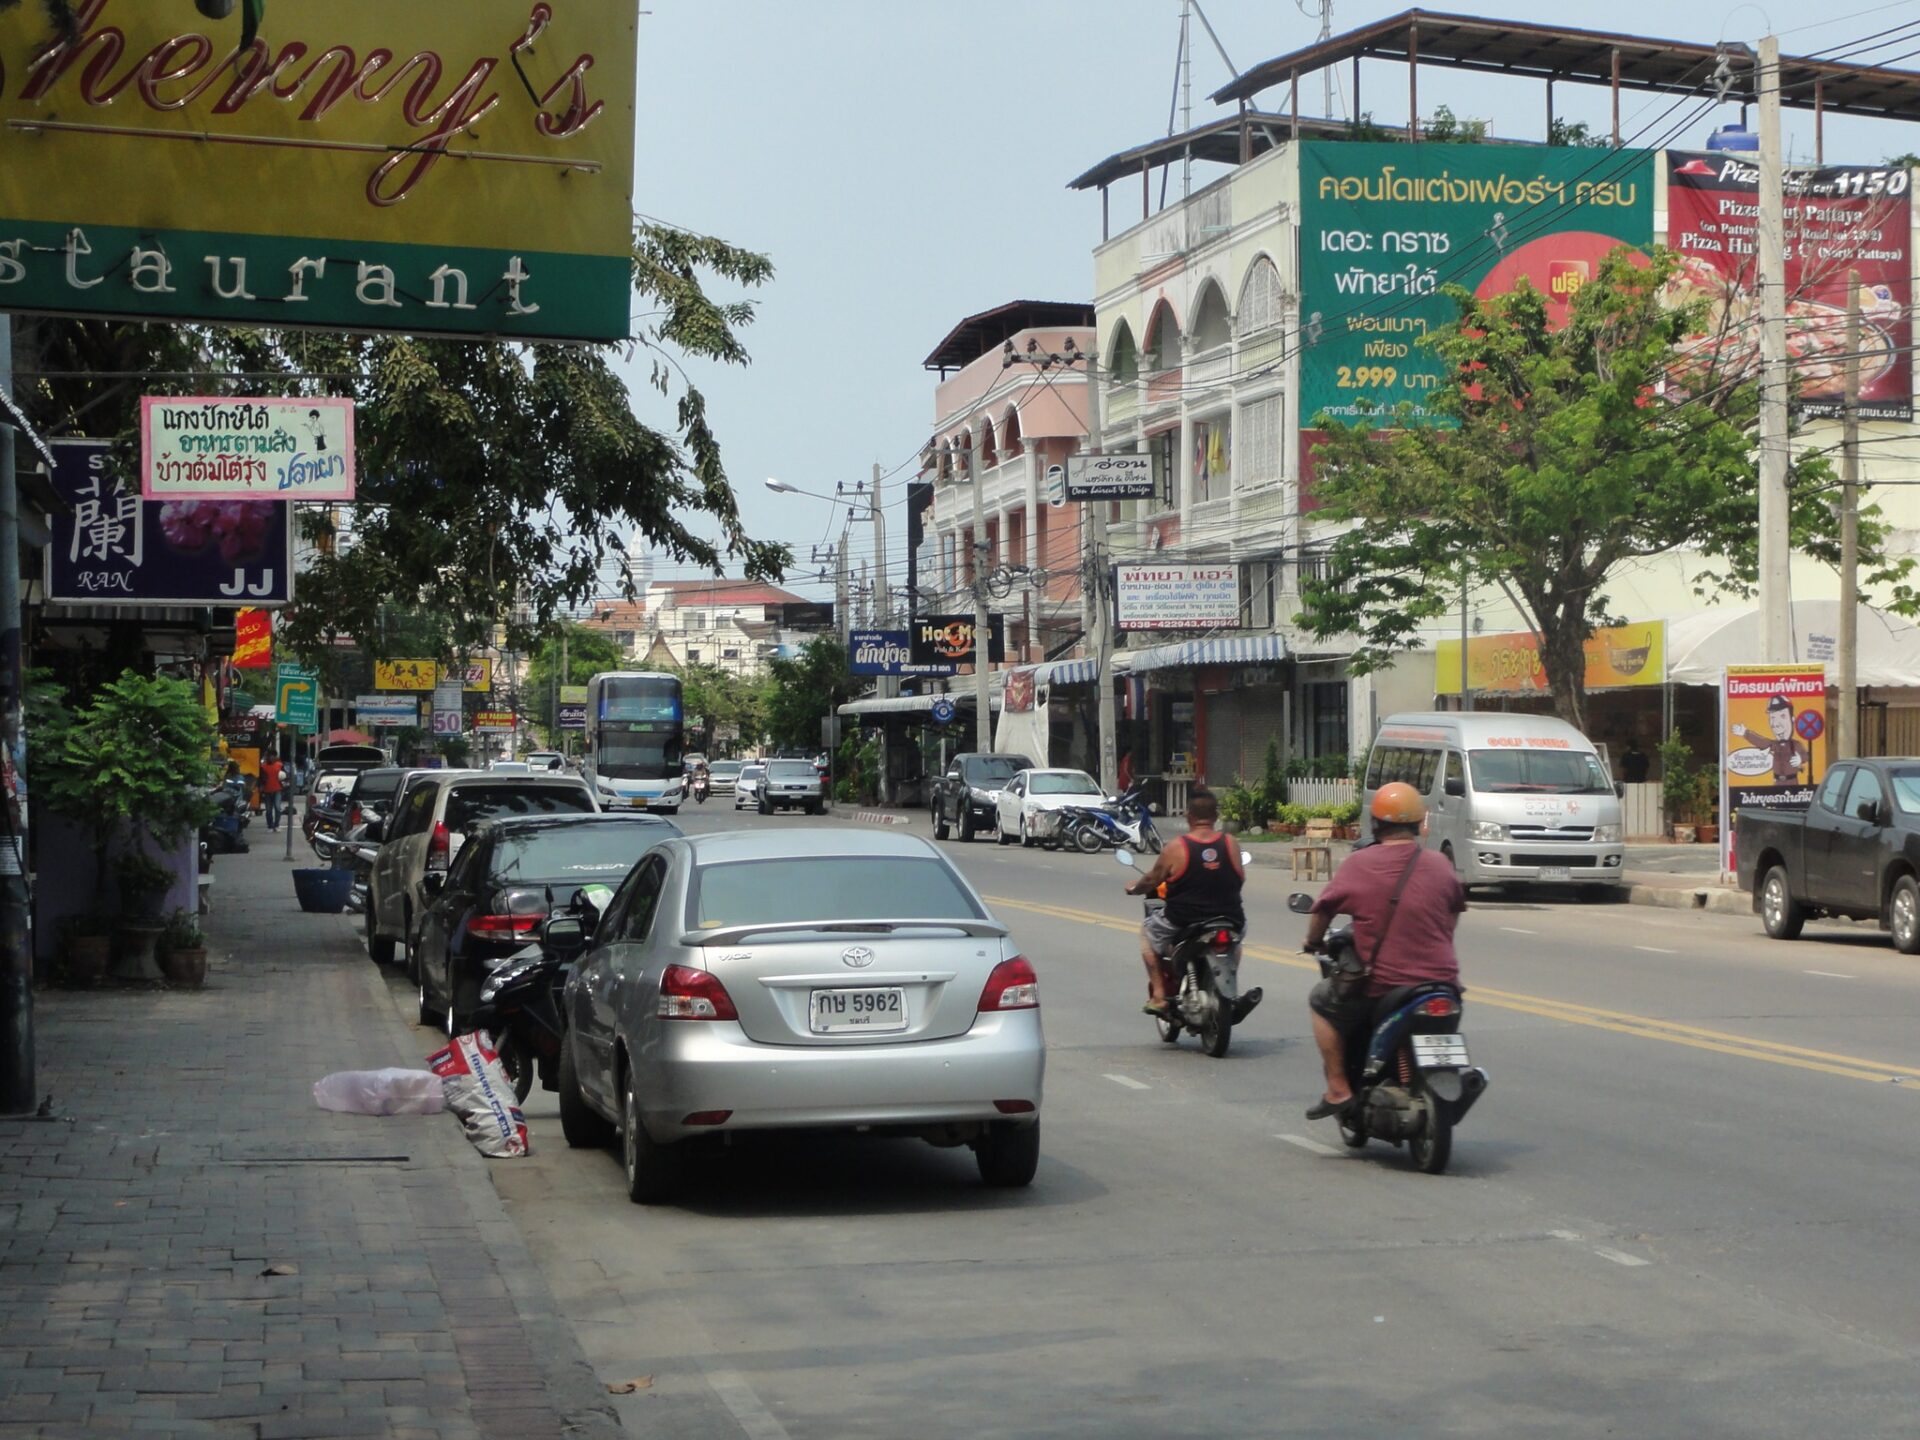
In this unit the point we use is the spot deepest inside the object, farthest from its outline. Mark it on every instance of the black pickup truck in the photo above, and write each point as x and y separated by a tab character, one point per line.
964	797
1855	852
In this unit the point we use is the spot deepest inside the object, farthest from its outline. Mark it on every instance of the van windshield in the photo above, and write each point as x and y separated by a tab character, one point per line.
1538	772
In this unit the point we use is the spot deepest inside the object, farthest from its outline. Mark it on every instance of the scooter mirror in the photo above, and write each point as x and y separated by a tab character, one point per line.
1125	857
1246	857
1300	902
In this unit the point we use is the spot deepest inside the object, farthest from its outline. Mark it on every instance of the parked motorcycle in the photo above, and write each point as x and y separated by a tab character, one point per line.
1204	969
225	831
522	1004
1412	1081
1133	820
1085	827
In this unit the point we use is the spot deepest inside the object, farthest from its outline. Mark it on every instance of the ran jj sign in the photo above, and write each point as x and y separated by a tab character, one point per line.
1109	477
215	448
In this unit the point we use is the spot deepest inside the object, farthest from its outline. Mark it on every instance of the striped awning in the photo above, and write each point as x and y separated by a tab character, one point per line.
1067	672
1225	650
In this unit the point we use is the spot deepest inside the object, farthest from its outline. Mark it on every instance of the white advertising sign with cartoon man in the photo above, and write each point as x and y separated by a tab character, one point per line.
1773	739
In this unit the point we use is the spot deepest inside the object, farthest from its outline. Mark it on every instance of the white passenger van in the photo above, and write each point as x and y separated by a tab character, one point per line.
1511	799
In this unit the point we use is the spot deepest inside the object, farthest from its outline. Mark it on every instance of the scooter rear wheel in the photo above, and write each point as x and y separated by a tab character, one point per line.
1088	839
1355	1138
1433	1146
1169	1031
518	1064
1216	1032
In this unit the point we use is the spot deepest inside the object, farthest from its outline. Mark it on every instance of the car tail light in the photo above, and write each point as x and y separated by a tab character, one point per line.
502	927
1439	1005
1014	1107
353	818
1012	986
708	1117
439	848
689	994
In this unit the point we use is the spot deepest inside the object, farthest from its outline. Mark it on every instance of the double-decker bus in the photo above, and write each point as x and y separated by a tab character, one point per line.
636	732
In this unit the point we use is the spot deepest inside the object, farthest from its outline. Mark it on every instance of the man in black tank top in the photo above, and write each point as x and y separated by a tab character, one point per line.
1200	875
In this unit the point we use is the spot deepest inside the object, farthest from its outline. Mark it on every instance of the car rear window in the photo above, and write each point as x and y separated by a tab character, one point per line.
377	785
583	853
793	770
995	771
725	767
833	887
468	805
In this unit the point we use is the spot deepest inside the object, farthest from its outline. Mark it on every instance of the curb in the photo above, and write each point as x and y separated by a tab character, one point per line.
1715	899
871	817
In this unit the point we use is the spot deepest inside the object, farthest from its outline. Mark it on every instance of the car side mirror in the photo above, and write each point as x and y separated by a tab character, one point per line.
1869	811
1456	786
434	881
1300	902
1620	789
564	934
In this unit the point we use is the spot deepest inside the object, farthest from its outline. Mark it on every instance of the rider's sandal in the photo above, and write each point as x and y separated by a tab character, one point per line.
1327	1108
1159	1009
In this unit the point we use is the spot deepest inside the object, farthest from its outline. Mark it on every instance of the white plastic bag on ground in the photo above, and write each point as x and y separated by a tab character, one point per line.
381	1092
478	1091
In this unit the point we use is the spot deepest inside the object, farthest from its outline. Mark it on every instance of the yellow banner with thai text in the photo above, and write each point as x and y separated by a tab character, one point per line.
1618	657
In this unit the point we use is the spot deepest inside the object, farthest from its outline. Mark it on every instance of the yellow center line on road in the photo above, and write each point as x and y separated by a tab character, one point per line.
1646	1027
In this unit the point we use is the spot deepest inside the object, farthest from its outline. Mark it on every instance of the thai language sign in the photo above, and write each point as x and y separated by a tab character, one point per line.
1842	221
1773	739
1176	597
1617	656
493	722
890	652
1109	477
405	674
1384	227
387	709
110	547
359	165
215	447
946	644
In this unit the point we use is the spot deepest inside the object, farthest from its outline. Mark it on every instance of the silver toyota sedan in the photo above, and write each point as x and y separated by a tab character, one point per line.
828	978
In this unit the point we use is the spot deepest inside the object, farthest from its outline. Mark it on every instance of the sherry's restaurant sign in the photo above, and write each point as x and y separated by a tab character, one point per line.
361	165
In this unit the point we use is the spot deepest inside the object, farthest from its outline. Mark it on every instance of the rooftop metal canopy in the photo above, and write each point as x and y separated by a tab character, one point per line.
1596	57
1220	141
977	334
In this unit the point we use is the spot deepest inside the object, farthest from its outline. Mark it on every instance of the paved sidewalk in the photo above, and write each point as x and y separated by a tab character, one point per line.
191	1247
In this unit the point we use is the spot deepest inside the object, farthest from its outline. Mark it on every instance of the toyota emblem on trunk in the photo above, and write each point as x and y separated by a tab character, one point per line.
858	956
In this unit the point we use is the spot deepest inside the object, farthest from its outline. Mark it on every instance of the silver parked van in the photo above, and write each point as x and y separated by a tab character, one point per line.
1511	799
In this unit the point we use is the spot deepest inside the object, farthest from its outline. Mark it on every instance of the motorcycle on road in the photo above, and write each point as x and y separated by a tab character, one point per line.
1411	1079
1204	969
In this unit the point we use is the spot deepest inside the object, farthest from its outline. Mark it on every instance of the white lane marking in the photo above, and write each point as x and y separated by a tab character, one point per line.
1564	1234
1619	1257
1128	1081
1831	974
737	1395
1655	950
1313	1146
1516	930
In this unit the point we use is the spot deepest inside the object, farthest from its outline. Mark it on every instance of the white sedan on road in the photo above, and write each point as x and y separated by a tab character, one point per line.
1029	800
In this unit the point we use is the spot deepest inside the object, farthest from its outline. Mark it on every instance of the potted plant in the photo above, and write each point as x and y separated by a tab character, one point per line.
1347	819
133	766
1677	789
1706	805
86	943
183	952
143	883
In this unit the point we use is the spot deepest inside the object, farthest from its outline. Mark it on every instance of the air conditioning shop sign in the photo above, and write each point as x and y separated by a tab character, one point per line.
359	165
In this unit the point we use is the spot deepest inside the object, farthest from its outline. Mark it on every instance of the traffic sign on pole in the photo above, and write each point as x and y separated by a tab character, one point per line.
297	698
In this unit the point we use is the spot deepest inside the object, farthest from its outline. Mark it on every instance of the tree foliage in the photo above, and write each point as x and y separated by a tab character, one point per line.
587	652
1562	463
721	702
805	690
499	482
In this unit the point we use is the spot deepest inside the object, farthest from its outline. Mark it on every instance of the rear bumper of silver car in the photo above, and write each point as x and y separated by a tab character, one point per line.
706	1066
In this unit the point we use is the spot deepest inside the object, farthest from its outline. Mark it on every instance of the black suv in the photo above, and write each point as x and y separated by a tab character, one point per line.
964	798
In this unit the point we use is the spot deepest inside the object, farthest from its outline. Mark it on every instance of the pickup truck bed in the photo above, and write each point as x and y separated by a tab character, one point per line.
1853	852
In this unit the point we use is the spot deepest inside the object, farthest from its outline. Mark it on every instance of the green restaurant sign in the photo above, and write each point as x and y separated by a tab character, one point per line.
1384	227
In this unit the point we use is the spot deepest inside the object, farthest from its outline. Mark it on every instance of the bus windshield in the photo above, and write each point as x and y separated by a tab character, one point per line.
643	698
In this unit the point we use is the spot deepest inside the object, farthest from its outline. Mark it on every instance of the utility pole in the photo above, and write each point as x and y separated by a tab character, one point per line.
566	678
883	597
840	617
1466	694
1186	97
982	622
16	952
1776	555
1846	729
1102	614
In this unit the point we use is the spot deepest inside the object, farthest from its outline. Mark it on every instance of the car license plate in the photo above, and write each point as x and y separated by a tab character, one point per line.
1555	872
866	1011
1432	1052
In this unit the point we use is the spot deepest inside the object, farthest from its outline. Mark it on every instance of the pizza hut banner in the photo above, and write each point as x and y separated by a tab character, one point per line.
945	644
1842	220
253	640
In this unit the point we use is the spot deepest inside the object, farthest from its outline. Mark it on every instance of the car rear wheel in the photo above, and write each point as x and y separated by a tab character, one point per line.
653	1170
966	824
1903	916
378	946
1779	911
940	827
428	1016
1008	1155
583	1128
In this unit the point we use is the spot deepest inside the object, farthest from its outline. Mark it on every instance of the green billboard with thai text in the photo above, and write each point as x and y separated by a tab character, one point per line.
1384	228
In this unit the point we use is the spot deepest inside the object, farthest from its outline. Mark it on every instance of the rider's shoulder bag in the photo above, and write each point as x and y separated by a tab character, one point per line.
1351	972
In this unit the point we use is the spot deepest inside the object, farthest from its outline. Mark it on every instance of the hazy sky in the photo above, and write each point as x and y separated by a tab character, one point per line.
904	163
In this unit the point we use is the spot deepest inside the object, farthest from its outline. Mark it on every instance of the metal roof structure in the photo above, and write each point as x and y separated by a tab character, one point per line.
977	334
1589	57
1231	141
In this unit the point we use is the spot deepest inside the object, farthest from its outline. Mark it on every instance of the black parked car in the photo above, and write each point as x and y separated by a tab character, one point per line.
965	798
503	883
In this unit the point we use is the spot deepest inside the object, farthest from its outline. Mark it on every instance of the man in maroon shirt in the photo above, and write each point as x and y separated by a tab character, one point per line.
1418	930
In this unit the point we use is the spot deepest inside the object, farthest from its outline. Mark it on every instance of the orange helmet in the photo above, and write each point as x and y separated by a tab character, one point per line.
1398	804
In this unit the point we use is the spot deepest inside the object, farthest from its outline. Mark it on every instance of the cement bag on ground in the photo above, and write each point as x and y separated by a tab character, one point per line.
380	1092
478	1091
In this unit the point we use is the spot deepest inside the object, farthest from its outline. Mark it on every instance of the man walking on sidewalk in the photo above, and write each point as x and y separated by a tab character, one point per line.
273	786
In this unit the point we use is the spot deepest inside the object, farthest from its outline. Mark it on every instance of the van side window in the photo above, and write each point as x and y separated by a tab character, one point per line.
1456	767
